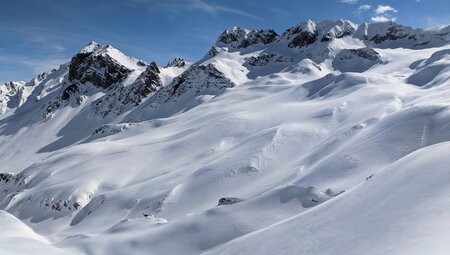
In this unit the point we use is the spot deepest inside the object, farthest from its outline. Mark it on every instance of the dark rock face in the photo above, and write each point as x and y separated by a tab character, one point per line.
110	129
303	39
177	62
50	108
241	38
199	78
123	97
10	186
228	201
148	82
261	60
70	90
186	91
329	36
229	36
301	35
366	53
212	52
6	177
259	36
356	60
100	70
393	33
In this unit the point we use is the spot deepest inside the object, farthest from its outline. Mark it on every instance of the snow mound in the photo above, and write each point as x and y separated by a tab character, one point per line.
432	71
19	239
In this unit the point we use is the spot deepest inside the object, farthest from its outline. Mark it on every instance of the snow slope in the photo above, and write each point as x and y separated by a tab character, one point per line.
18	238
397	213
329	138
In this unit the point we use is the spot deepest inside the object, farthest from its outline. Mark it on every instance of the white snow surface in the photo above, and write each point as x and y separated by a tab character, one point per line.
324	150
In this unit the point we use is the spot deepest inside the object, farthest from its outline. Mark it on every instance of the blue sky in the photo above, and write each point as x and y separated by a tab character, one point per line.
37	35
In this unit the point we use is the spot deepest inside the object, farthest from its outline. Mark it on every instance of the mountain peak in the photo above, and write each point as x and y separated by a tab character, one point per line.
237	37
177	62
91	47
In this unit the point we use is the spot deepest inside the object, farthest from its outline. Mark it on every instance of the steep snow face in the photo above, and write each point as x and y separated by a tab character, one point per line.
323	132
12	95
401	210
18	238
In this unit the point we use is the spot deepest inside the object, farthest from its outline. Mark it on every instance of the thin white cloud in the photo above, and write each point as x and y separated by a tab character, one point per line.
364	8
214	9
37	65
175	6
384	8
348	1
382	18
384	13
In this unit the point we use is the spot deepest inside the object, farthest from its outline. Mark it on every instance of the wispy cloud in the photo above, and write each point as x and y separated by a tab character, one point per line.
215	8
37	65
280	11
384	9
364	7
198	5
382	18
349	1
384	13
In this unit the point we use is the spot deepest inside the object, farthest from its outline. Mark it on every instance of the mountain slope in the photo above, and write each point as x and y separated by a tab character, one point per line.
298	132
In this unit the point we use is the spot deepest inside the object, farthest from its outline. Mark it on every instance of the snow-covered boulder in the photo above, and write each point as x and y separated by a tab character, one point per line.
229	201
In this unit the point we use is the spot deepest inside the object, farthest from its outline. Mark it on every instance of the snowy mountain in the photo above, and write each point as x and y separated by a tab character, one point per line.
327	138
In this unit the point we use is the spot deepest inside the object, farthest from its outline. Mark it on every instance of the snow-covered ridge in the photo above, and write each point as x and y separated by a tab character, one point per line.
267	138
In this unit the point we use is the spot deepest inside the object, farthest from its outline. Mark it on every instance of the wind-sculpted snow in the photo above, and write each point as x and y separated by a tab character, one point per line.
432	71
19	239
401	210
329	138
